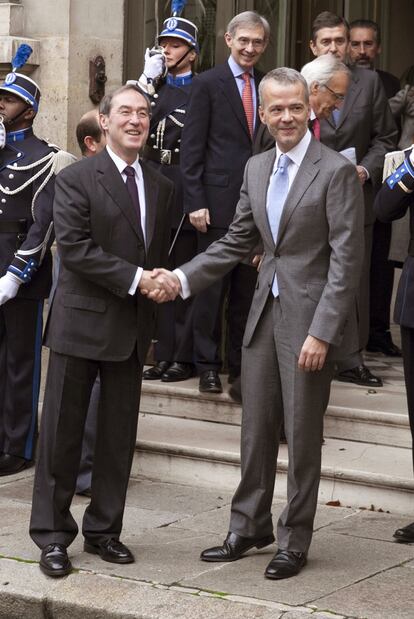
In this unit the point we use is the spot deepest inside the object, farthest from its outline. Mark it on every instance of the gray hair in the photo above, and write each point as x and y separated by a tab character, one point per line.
286	77
322	69
105	105
248	19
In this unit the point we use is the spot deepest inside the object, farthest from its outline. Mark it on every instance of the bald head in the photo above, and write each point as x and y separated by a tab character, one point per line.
89	134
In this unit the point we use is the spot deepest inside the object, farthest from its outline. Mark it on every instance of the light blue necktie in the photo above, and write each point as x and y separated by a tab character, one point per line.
336	115
276	196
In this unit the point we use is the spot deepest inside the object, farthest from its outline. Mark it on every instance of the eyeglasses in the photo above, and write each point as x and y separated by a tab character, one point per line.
245	42
335	94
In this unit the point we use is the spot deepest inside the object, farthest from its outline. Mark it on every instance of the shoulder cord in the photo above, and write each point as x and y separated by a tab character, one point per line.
50	159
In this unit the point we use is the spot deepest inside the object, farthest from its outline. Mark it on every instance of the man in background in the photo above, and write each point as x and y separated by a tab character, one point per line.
364	49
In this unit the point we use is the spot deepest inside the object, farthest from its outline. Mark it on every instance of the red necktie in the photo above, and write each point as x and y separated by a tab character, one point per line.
316	128
247	100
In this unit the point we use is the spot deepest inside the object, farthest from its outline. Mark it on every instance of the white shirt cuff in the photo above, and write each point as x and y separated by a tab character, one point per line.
135	281
185	286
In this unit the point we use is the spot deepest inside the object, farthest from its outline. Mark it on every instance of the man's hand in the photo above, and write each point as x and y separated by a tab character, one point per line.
313	354
362	174
159	285
9	285
200	219
257	261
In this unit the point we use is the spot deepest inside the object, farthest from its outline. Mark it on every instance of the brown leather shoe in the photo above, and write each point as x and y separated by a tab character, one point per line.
234	546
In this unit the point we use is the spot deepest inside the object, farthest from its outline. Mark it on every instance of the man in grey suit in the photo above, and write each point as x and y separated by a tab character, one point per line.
111	215
365	126
302	317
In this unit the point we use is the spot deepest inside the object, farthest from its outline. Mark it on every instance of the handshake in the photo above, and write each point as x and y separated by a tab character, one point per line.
159	285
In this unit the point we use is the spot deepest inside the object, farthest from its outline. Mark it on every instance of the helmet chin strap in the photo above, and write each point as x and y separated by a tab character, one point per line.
190	49
5	123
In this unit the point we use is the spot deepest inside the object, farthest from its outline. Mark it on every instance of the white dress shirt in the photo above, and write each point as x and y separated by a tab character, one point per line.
139	180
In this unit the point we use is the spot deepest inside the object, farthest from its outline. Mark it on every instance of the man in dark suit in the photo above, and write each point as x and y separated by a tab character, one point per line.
111	219
364	48
393	200
365	128
217	139
303	202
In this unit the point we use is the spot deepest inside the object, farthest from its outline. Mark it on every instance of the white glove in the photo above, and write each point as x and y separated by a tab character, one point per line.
154	63
412	154
9	285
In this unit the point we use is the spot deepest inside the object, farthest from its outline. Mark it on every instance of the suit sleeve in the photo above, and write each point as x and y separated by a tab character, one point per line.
77	250
344	213
396	195
222	255
194	141
384	134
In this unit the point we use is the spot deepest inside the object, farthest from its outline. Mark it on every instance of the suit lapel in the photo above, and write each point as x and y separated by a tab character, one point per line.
263	179
304	177
353	92
151	196
229	88
111	180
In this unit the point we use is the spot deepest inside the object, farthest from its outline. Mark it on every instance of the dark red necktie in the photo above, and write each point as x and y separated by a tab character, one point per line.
247	100
133	192
316	128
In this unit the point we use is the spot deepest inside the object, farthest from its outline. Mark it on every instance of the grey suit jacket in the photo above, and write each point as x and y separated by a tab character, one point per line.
366	122
317	256
100	247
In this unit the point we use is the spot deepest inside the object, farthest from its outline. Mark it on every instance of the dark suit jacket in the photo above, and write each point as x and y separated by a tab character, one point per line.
367	124
392	203
390	82
216	145
100	247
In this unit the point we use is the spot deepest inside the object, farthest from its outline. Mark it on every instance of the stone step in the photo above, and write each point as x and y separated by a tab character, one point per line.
206	453
355	413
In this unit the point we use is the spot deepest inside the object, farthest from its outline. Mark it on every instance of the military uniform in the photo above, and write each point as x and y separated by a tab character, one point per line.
27	166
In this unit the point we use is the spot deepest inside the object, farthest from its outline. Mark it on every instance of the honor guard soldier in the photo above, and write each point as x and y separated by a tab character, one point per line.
167	78
27	170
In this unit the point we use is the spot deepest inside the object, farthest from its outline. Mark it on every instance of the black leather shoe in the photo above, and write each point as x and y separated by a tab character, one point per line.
210	382
111	550
54	561
178	371
156	371
383	344
405	535
285	564
359	375
235	390
234	546
13	464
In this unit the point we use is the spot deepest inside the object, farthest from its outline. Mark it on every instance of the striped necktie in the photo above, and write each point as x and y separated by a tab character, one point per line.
247	100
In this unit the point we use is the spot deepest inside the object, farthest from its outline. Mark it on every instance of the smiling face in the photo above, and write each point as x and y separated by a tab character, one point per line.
324	99
127	124
246	45
174	49
331	41
285	111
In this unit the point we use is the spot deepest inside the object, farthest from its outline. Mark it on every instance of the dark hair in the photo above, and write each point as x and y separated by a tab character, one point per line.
326	19
106	103
88	125
367	23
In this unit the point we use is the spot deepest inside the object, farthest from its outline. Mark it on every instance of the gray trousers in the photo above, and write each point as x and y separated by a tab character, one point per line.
274	389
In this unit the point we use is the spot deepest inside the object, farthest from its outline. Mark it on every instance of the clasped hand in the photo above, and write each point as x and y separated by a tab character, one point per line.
159	285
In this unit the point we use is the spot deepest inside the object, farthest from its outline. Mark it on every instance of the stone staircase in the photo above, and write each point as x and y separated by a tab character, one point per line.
188	437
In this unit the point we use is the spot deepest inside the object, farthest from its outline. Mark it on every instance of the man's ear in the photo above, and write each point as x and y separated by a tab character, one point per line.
90	143
29	114
103	120
313	47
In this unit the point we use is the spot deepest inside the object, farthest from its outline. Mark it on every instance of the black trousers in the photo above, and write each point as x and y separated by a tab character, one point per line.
21	322
407	345
175	319
207	312
68	390
381	281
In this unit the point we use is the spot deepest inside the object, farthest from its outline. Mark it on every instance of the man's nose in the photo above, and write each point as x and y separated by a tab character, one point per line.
361	48
286	115
250	47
